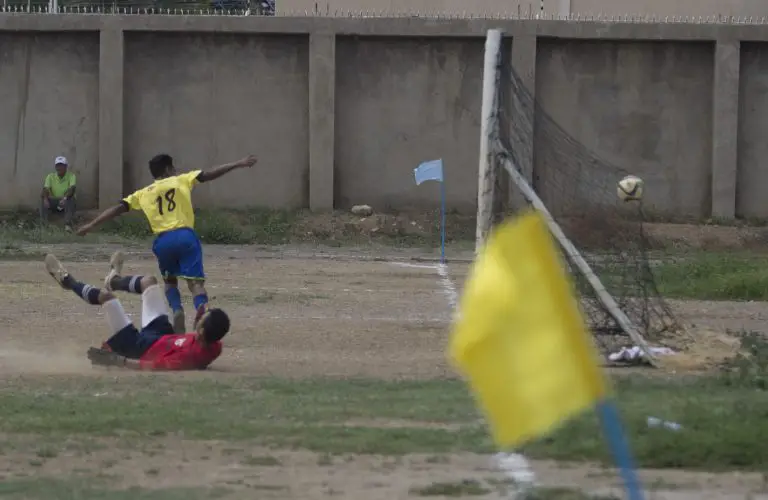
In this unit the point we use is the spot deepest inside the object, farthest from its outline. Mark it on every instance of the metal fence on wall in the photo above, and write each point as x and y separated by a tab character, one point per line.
182	7
267	8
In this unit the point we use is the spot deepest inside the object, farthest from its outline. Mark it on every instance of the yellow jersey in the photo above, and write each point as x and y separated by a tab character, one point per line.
167	203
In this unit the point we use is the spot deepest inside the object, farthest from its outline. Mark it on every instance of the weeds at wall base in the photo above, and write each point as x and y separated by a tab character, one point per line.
749	368
259	227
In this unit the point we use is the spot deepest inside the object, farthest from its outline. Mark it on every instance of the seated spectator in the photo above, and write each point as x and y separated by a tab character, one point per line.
59	193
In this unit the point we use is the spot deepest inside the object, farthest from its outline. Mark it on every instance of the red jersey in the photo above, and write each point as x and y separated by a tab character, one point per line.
179	352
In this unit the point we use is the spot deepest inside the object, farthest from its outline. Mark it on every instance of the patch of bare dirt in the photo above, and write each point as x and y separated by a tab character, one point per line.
293	317
710	331
707	350
589	231
255	472
300	314
342	225
14	360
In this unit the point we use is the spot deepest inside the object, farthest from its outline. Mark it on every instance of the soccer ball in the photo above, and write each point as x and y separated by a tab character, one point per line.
630	188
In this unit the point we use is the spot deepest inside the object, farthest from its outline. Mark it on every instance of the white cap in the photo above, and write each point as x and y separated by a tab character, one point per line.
60	159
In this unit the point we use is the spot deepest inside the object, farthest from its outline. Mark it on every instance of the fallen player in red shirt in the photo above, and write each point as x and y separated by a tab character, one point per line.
156	346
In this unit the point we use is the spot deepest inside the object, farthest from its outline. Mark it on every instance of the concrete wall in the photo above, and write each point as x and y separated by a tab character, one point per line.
636	104
753	131
49	104
340	110
208	99
402	102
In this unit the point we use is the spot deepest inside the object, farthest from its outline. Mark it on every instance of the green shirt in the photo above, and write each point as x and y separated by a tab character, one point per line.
58	186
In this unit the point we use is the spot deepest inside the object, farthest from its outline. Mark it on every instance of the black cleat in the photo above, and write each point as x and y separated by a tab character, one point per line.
178	322
56	270
103	357
115	268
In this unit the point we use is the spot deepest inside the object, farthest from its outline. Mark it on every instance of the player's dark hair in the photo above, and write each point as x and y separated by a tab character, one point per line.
215	325
160	164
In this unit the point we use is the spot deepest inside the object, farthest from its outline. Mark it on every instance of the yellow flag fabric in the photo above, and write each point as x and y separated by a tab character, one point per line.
520	337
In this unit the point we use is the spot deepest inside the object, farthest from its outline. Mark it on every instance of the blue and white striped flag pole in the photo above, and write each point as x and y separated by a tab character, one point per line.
433	171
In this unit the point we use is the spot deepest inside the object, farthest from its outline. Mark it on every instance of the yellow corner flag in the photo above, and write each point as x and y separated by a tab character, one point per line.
521	339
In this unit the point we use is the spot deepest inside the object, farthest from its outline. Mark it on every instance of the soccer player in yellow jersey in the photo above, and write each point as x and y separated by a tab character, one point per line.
167	204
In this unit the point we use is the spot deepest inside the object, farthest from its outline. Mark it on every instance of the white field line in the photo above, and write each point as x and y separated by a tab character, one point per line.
416	266
445	281
514	465
449	289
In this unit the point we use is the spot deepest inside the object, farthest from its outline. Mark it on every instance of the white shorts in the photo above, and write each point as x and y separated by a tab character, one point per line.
153	305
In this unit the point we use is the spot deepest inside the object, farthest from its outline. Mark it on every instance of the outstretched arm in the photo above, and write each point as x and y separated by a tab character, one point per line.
216	172
106	215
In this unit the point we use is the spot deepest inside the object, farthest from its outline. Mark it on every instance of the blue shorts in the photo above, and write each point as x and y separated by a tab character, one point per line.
179	254
132	343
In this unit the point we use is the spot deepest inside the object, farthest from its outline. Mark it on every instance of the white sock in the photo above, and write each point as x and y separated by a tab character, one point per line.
116	315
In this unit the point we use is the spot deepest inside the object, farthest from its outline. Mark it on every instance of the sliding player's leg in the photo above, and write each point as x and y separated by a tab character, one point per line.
154	309
166	250
116	281
130	342
125	338
90	294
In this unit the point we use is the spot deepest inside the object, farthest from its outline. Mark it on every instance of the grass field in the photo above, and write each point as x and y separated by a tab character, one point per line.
335	384
347	416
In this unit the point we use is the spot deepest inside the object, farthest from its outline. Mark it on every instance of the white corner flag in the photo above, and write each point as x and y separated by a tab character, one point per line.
429	171
433	171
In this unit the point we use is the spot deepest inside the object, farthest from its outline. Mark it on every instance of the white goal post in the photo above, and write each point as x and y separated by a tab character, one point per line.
490	161
488	165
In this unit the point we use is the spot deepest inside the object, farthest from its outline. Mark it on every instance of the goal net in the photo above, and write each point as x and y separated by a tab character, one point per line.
602	238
